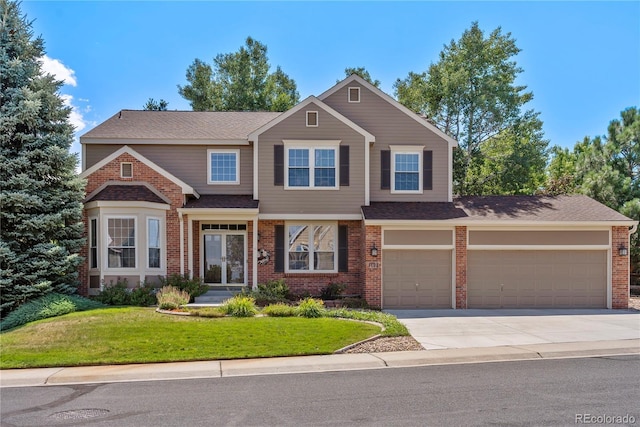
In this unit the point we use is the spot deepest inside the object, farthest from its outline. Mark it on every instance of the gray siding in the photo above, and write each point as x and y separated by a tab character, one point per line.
391	126
275	199
186	162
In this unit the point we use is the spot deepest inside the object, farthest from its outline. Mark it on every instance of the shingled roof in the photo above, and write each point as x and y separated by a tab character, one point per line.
573	208
222	201
179	125
128	193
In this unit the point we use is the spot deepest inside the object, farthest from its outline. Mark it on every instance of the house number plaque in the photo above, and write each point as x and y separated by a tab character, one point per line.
373	265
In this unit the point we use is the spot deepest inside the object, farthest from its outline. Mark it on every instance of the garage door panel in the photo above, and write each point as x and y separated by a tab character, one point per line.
541	279
429	269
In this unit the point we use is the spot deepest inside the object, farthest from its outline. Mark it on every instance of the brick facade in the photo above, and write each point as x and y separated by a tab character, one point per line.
461	267
619	268
372	265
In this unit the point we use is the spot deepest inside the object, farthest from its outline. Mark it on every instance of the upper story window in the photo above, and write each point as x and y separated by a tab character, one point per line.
312	166
312	247
406	169
312	119
121	246
354	94
223	166
126	170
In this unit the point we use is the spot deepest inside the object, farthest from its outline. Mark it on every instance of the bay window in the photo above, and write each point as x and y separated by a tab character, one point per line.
121	237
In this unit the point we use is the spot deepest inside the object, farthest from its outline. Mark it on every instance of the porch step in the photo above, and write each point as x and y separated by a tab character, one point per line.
218	295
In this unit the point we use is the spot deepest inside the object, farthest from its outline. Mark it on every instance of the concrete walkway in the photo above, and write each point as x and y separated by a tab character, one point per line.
452	336
440	329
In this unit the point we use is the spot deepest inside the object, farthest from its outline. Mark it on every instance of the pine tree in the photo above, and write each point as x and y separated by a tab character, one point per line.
41	194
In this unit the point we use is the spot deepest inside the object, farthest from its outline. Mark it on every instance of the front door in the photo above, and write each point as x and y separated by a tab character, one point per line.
224	258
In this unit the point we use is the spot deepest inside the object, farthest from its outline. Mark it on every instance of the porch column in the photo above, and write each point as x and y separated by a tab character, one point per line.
181	220
190	246
254	255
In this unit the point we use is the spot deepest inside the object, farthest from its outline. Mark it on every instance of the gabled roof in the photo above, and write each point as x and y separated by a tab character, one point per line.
190	126
355	78
312	99
494	209
186	188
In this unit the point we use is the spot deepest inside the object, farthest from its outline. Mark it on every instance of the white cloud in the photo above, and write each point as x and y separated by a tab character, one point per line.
75	117
59	70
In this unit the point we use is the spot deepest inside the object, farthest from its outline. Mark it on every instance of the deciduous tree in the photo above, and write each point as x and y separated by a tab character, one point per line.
362	72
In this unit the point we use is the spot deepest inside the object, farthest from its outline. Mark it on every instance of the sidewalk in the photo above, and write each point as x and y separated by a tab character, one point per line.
305	364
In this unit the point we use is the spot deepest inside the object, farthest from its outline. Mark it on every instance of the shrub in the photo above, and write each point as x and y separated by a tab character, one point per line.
50	305
393	328
115	294
310	307
333	291
170	298
274	288
240	306
354	303
279	310
143	295
194	287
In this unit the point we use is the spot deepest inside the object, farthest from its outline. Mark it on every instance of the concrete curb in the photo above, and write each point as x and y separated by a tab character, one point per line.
307	364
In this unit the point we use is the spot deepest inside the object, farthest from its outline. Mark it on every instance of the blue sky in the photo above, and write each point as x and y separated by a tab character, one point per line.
580	59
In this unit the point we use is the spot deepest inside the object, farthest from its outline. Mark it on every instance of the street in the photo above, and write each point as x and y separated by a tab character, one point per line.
540	392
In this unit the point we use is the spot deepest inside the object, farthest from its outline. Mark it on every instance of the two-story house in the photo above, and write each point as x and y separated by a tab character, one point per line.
348	187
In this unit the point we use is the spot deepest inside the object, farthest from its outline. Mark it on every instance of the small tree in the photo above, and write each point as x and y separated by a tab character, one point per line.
362	72
41	194
153	105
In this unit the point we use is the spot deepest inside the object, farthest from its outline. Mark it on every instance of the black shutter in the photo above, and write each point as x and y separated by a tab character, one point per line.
279	252
344	165
278	165
343	248
385	169
427	170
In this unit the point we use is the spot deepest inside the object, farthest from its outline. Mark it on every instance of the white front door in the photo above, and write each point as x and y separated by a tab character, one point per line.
224	258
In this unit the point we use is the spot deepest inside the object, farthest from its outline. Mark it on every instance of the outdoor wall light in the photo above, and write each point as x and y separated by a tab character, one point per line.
374	250
622	250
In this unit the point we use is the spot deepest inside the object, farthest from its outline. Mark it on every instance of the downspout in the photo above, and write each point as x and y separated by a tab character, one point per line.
181	243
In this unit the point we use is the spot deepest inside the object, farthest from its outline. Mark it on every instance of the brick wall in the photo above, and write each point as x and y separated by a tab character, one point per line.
619	268
313	283
461	267
141	172
372	265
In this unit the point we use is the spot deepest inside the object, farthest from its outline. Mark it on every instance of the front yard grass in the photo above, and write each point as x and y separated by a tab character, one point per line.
140	335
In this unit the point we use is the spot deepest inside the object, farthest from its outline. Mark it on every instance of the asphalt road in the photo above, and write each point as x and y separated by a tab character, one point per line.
541	392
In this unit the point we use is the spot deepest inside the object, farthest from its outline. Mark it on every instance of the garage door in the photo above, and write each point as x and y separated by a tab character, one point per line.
537	279
416	279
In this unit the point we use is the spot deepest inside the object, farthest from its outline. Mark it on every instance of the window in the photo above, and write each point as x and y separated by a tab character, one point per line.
153	241
312	119
313	167
121	244
93	243
223	166
311	247
406	173
354	94
126	170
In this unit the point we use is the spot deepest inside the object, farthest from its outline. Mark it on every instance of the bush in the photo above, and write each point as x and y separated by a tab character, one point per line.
170	298
274	288
310	307
50	305
114	294
333	291
279	310
194	287
119	293
240	306
354	303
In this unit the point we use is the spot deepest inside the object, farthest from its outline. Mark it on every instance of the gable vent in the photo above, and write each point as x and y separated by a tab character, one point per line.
126	170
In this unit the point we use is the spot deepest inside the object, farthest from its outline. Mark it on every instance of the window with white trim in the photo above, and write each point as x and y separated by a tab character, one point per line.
406	171
93	243
223	166
121	242
312	119
354	94
153	243
126	170
312	247
312	167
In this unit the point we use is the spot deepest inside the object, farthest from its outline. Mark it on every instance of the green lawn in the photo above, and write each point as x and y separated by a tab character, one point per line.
140	335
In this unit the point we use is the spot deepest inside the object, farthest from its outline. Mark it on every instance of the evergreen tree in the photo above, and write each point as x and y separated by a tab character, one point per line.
41	194
153	105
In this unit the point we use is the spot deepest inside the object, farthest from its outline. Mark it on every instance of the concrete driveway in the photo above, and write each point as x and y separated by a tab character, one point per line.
440	329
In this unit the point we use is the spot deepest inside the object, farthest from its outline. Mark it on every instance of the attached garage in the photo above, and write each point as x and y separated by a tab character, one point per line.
543	269
417	269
